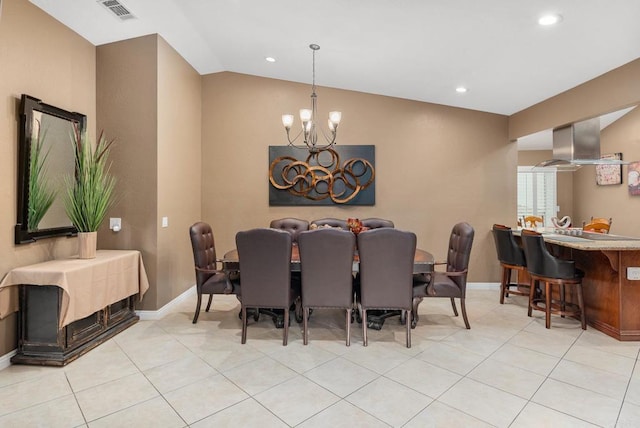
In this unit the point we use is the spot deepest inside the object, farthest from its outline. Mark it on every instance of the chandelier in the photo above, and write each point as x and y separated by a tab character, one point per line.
309	131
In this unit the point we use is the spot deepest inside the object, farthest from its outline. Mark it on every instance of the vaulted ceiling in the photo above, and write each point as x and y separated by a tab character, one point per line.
414	49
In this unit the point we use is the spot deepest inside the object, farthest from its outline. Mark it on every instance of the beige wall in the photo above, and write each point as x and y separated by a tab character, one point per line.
612	91
179	169
435	165
149	100
612	201
42	58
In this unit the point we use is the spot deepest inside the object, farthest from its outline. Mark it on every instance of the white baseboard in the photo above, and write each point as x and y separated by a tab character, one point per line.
483	285
158	314
5	360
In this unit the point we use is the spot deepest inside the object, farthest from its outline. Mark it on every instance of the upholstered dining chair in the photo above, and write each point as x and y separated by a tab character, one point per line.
376	223
264	257
332	222
326	263
551	271
292	225
451	283
209	279
386	273
511	258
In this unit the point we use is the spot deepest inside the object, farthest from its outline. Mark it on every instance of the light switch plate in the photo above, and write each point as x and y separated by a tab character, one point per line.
633	273
165	221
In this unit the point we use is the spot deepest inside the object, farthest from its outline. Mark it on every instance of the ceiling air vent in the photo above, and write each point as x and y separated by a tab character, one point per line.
118	9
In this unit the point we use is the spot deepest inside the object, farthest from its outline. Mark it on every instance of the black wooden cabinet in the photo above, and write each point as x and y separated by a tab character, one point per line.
42	342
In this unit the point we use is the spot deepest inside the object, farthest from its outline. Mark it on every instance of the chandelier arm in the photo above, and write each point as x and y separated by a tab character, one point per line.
292	141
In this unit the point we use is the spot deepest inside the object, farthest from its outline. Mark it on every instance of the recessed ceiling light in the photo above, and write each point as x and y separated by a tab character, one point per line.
461	89
550	19
270	59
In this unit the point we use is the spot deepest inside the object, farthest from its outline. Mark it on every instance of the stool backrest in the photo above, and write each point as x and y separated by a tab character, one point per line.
507	248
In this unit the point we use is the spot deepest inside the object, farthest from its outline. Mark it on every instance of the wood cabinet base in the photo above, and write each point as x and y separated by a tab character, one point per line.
42	342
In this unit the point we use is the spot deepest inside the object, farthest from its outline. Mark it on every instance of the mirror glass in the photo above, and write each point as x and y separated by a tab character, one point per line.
51	129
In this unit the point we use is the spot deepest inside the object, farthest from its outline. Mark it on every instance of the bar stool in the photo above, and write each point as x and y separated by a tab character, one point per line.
545	268
511	258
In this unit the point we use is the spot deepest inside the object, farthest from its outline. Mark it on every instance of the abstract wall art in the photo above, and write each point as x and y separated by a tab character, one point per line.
343	175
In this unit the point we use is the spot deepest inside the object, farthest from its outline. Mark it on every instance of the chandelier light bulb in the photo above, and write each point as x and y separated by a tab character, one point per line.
287	120
335	117
305	115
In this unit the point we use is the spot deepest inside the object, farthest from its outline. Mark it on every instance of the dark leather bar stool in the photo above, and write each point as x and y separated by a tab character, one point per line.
549	270
511	258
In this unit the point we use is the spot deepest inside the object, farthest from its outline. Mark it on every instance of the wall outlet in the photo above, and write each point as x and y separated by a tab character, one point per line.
115	224
165	221
633	273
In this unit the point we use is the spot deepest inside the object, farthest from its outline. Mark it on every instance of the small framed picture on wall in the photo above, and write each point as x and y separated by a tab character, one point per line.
609	174
634	178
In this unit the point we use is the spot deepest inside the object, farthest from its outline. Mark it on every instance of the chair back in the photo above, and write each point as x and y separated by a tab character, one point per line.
326	264
264	256
386	268
204	250
292	225
376	223
508	250
540	261
333	222
459	252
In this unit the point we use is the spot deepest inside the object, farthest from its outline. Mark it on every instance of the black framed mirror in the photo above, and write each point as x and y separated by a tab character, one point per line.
45	129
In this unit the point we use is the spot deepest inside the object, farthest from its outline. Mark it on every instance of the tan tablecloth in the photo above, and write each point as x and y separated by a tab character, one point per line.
89	284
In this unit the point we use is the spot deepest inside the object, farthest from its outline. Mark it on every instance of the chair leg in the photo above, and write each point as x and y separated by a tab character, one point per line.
285	334
364	327
408	317
532	292
547	309
503	285
348	320
195	316
209	303
244	324
453	305
464	313
305	326
414	312
563	306
583	316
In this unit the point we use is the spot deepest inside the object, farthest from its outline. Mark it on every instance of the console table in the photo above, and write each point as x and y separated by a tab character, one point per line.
69	306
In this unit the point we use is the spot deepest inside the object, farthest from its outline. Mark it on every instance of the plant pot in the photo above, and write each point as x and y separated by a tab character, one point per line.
87	243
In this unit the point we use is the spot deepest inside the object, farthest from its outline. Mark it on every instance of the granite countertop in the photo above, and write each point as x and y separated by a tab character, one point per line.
590	241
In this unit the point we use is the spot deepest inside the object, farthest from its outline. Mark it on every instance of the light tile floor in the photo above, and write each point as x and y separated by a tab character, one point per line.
507	371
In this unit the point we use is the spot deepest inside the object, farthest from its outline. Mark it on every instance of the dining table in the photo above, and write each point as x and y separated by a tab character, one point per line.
423	263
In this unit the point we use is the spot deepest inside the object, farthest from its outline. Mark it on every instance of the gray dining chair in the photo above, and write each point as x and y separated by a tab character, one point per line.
451	283
376	223
326	263
386	273
292	225
209	279
264	257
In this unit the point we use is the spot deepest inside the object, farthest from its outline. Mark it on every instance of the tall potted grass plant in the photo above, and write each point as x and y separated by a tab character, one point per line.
90	191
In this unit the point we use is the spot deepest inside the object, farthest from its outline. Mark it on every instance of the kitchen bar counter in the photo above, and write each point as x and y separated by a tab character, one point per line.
612	300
